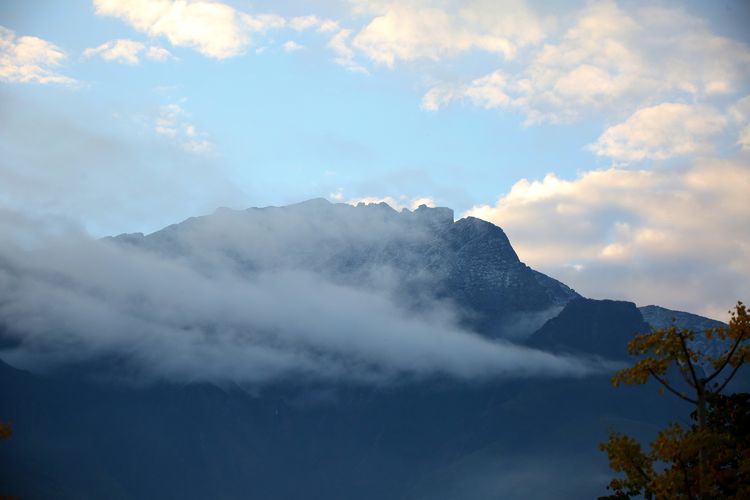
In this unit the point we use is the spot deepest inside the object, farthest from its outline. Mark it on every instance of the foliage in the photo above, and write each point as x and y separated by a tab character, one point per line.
6	430
711	458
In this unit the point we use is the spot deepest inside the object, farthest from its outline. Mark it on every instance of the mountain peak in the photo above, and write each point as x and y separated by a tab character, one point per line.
433	215
312	203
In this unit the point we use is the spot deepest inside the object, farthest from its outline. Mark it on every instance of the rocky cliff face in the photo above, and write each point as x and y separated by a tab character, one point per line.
420	253
587	326
488	277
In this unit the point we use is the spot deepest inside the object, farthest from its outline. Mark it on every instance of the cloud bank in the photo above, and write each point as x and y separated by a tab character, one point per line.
194	312
676	237
407	31
662	132
610	61
212	28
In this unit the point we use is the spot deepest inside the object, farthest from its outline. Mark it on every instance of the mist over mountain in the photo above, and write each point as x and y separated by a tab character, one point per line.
372	345
423	253
316	350
317	290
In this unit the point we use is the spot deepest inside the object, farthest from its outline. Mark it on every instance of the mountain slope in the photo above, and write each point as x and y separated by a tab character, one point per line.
441	439
469	262
588	326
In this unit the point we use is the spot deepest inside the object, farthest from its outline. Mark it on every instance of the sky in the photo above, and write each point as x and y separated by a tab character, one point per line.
610	140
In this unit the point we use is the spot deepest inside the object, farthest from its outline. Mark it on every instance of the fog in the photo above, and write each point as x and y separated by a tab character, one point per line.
222	300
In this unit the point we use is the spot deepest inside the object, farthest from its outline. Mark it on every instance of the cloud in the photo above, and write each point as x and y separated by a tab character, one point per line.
339	43
678	238
218	302
28	59
407	31
291	46
123	51
744	139
173	121
214	29
611	61
302	23
486	92
127	51
156	53
661	132
740	114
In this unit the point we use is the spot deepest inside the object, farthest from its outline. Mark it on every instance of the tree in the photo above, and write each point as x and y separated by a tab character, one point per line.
711	458
6	430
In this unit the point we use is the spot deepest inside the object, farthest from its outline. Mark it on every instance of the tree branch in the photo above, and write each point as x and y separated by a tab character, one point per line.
690	363
640	470
737	367
669	387
729	357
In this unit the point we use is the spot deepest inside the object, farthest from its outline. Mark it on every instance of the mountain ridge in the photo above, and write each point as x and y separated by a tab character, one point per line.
469	260
479	267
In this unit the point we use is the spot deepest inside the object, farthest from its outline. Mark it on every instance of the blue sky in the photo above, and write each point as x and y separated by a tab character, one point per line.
609	139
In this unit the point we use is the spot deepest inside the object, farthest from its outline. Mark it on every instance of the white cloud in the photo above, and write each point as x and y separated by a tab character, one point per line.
613	61
486	92
127	51
740	114
740	111
744	139
679	238
302	23
173	121
291	46
212	28
28	59
344	54
156	53
123	51
437	97
407	31
661	132
337	196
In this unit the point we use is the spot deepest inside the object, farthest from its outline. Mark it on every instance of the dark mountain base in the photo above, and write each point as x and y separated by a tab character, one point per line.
524	439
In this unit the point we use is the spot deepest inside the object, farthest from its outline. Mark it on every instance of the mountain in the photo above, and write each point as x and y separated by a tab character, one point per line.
469	262
660	317
82	439
587	326
99	428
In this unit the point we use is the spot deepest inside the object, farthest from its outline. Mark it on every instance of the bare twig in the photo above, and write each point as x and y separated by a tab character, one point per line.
731	375
669	387
728	358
